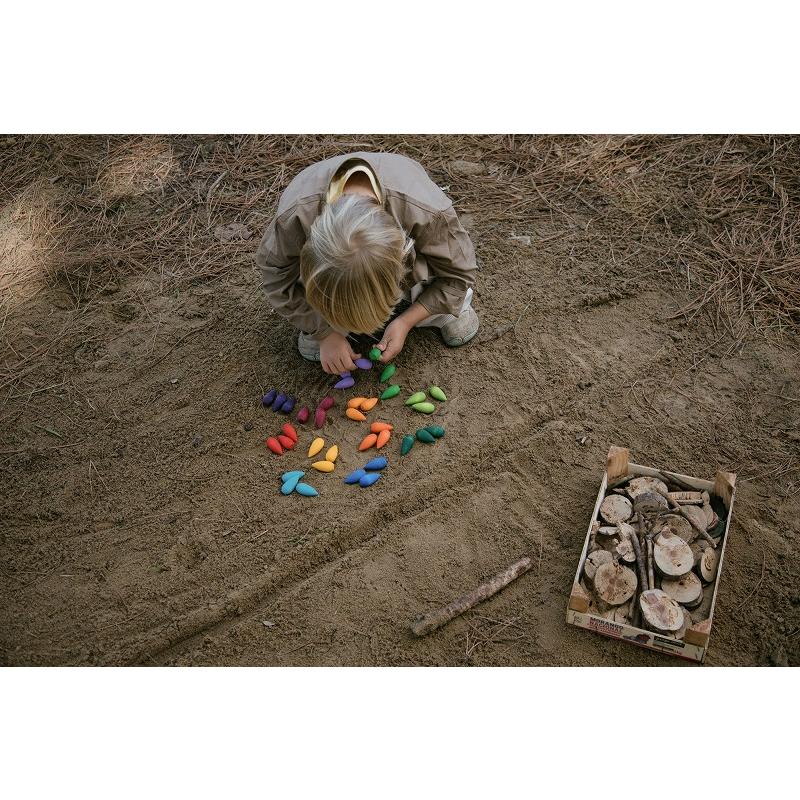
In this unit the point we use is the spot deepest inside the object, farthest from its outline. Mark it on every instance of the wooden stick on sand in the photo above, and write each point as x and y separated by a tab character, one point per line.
430	622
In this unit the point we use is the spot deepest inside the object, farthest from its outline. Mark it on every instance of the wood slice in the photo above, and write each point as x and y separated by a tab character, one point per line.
610	545
686	590
646	484
698	547
672	555
708	564
695	604
677	526
660	612
607	530
687	621
593	561
616	508
711	516
624	550
695	514
649	503
614	584
619	614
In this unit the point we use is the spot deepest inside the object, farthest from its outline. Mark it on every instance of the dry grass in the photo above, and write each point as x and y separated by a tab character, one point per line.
719	213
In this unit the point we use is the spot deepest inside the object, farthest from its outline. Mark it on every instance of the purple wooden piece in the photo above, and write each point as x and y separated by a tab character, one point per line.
269	397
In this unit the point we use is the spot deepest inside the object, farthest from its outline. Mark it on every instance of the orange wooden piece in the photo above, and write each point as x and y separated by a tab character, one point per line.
369	404
355	414
383	437
368	441
355	402
377	427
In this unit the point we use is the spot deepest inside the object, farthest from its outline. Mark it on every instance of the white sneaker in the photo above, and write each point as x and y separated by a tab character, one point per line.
308	347
461	329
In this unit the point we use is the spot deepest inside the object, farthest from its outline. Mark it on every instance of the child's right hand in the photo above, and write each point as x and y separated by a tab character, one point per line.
336	354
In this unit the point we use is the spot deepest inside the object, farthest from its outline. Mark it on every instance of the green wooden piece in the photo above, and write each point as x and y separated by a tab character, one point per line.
387	373
375	354
437	394
425	408
417	397
390	391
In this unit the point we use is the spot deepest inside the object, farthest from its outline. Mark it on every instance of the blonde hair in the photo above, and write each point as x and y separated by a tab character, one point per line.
353	262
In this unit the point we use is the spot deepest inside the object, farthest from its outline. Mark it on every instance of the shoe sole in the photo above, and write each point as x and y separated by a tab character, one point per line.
464	340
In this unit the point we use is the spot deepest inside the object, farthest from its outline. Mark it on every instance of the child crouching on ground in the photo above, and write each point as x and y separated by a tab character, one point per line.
360	241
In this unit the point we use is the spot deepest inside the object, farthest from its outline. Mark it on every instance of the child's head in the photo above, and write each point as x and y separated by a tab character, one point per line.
353	263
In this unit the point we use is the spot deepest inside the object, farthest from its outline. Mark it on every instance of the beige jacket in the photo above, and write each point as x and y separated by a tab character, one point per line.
443	256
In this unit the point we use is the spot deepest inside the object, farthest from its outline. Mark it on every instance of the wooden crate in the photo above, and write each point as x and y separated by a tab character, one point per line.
695	643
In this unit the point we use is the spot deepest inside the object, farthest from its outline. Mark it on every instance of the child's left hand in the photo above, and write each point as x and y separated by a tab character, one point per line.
394	337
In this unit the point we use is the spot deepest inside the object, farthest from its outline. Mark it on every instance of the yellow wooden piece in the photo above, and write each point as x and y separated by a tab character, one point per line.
323	466
332	454
316	446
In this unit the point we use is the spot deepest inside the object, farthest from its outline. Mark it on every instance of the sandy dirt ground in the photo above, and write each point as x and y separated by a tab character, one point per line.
141	518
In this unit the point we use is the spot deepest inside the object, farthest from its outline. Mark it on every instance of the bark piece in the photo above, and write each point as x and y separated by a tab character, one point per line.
660	612
593	561
646	484
686	590
686	498
677	526
672	555
616	508
614	584
430	622
708	565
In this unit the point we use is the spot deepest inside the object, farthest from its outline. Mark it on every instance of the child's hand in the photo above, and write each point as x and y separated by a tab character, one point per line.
336	354
394	337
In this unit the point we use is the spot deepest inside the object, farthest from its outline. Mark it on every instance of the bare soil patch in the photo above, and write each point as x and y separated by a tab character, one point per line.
640	291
